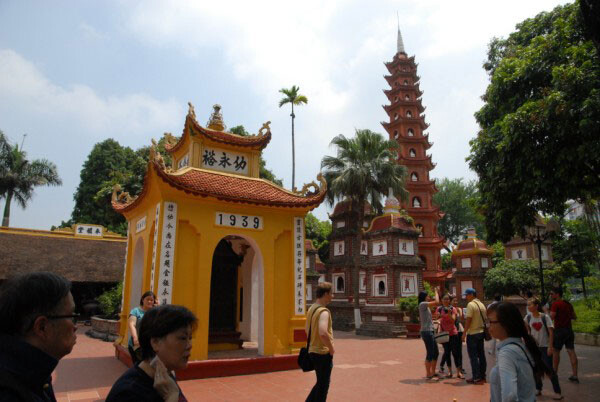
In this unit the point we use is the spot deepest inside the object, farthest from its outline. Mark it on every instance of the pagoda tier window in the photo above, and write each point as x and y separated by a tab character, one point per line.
405	82
395	116
411	132
408	114
396	134
421	229
422	257
406	97
414	176
380	285
396	99
338	282
412	153
416	203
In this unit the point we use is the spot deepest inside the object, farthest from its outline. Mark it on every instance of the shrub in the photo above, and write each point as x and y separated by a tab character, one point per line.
110	300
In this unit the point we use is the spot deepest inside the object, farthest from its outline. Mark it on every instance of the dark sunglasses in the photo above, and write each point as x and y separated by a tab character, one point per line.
73	317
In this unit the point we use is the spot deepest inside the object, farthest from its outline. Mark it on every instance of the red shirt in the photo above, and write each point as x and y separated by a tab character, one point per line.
446	321
564	314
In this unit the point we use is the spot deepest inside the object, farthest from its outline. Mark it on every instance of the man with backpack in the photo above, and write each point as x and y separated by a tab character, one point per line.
540	327
562	314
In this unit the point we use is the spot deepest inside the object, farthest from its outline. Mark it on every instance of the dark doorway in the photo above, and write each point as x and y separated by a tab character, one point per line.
223	295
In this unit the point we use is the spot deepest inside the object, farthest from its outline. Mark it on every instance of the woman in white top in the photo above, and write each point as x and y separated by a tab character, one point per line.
540	327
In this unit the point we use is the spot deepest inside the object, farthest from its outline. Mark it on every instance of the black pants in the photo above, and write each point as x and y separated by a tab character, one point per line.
134	356
452	347
547	360
323	366
475	348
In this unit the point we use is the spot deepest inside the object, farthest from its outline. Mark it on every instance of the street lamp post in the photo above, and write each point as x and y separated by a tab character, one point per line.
538	235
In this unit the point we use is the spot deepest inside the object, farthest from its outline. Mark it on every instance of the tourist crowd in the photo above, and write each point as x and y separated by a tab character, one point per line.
526	348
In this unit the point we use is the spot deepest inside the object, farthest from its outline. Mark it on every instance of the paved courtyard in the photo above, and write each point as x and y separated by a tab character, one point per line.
365	369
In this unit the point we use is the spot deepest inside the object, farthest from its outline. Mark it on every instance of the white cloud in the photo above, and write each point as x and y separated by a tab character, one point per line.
21	83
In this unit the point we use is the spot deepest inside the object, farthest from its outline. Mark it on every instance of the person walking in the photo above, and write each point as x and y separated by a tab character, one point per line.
321	351
426	319
562	314
448	315
460	319
133	322
518	357
540	327
37	329
475	337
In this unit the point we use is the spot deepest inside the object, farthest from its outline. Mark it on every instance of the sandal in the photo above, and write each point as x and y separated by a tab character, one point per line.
449	375
433	378
574	379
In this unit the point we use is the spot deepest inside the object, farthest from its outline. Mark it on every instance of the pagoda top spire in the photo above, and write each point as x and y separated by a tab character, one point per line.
400	43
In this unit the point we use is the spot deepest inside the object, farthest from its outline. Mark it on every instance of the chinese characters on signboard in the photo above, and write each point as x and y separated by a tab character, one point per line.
380	247
408	284
239	221
338	248
156	216
227	161
88	230
299	265
364	247
140	225
125	265
183	162
406	247
167	254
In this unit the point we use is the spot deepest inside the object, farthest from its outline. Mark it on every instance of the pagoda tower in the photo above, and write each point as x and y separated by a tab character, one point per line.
407	125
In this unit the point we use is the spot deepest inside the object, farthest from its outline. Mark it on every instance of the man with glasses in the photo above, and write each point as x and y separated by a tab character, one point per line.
37	329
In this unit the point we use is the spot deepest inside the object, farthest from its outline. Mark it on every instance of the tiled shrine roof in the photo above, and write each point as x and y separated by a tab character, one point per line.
228	187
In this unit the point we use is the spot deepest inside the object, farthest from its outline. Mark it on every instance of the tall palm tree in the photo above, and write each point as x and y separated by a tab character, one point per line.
364	169
18	176
294	98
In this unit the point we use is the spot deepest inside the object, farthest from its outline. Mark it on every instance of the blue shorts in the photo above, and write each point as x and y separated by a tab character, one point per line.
430	345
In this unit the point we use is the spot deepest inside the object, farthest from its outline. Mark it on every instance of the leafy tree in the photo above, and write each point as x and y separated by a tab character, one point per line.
19	176
538	141
293	98
576	241
264	173
499	253
318	232
458	201
108	164
364	169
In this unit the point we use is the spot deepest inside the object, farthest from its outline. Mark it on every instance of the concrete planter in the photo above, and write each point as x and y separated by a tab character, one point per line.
587	339
107	330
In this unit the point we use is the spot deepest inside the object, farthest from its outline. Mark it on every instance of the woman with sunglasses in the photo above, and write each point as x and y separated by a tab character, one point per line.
518	358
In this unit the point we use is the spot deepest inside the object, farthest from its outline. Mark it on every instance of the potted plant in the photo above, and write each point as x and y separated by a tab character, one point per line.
410	306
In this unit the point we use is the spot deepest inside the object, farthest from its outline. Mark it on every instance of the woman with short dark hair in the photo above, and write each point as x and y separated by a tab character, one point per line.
518	358
133	322
432	352
165	338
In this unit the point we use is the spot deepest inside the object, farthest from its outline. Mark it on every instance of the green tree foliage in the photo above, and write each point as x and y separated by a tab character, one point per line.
108	164
578	242
318	232
364	169
110	300
538	143
458	201
516	277
293	98
19	176
264	173
499	253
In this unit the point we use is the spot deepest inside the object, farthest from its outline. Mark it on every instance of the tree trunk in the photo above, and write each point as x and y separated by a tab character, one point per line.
356	263
293	152
5	219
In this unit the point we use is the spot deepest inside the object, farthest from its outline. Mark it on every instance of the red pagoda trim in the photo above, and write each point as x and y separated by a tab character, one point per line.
391	221
192	128
228	187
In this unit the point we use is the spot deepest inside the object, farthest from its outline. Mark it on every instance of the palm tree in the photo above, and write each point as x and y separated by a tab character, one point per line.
292	97
364	169
18	176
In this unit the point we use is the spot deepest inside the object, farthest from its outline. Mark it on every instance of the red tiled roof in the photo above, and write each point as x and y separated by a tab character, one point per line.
193	128
391	221
435	274
227	187
346	205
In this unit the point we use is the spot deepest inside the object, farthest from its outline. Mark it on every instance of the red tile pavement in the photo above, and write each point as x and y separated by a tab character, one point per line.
365	369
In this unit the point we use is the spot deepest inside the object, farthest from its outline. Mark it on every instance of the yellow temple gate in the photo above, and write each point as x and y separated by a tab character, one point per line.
209	234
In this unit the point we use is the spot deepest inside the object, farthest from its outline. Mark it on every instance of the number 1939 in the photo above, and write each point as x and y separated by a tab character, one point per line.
239	221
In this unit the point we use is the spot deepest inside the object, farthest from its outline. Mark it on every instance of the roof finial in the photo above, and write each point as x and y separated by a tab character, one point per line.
400	43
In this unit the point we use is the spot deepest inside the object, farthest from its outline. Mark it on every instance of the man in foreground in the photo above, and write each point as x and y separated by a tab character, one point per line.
321	350
475	337
562	314
37	329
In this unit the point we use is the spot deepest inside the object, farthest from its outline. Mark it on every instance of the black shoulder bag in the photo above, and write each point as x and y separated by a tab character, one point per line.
303	358
486	329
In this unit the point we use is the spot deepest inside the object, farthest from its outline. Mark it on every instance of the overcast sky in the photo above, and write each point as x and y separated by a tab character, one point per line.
74	73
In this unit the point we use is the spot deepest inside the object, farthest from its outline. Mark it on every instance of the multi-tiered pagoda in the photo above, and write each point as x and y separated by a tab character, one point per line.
407	125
